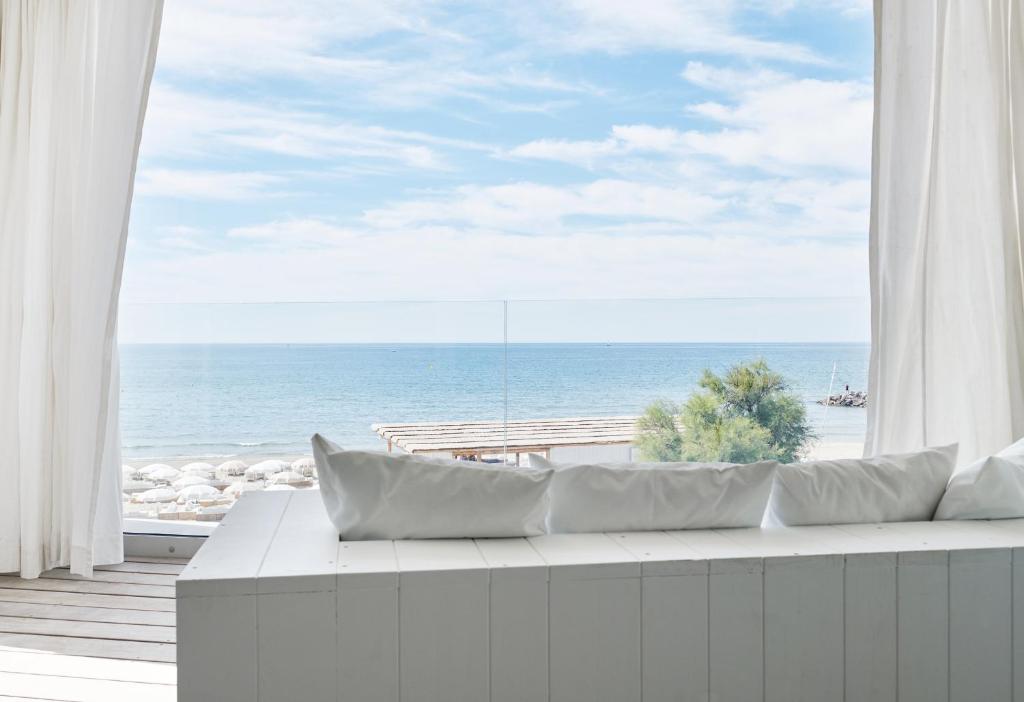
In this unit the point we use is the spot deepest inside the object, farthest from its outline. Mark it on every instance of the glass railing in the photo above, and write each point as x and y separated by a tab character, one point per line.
221	399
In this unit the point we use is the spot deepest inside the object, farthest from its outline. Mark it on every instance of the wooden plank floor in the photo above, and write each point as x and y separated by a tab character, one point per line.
105	639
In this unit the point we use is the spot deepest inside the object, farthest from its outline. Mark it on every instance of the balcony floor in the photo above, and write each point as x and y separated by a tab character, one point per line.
110	638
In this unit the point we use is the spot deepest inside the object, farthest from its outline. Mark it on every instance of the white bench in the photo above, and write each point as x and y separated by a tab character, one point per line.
274	608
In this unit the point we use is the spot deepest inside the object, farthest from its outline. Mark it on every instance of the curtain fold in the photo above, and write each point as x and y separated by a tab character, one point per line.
947	359
74	82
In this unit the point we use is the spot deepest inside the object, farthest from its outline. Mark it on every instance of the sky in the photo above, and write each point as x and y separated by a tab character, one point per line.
568	150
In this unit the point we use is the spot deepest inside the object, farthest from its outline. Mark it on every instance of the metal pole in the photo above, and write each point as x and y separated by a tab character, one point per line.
505	382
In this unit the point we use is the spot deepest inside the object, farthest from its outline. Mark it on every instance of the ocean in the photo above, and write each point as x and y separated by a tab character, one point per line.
183	400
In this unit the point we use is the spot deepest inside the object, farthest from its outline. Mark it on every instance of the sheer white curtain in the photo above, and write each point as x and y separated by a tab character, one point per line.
947	361
74	79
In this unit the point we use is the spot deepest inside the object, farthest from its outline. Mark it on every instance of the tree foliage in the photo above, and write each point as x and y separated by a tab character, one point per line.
747	414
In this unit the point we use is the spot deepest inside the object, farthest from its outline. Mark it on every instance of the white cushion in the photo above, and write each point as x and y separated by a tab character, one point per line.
990	488
652	496
897	488
371	495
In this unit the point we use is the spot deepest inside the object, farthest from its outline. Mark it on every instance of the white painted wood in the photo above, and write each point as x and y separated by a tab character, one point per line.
803	628
980	632
674	651
297	605
297	648
98	648
218	634
367	656
443	620
54	664
851	612
217	649
595	618
736	629
93	630
229	561
923	621
78	599
82	689
595	638
85	614
88	587
870	627
1018	623
518	620
166	580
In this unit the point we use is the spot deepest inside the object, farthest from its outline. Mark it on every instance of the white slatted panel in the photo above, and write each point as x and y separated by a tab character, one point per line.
444	608
980	632
594	618
296	617
931	611
870	627
675	617
803	628
216	613
923	621
367	656
518	620
736	629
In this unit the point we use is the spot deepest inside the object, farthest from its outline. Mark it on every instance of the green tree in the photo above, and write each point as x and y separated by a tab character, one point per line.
660	439
748	414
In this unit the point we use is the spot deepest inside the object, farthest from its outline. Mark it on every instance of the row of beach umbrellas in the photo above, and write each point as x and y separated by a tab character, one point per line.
199	481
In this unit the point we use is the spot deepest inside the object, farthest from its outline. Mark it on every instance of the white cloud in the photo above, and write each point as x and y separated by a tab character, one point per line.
624	140
182	125
767	120
788	125
321	42
440	263
206	185
686	26
532	208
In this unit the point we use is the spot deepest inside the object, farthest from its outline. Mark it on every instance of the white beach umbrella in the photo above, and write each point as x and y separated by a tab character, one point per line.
132	485
236	489
205	470
265	468
146	470
187	480
229	469
164	474
304	466
159	494
197	492
288	477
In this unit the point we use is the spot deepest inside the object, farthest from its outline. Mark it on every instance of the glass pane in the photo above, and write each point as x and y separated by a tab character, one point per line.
576	360
203	386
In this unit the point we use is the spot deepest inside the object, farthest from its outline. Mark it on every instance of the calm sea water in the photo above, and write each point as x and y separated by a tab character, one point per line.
224	399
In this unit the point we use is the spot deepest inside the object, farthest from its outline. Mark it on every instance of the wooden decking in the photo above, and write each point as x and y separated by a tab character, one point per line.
520	436
108	639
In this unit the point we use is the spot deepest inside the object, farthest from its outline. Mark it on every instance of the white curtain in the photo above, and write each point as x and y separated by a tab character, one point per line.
74	80
947	360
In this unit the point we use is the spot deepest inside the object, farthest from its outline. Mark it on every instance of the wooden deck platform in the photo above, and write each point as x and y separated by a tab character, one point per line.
108	639
475	439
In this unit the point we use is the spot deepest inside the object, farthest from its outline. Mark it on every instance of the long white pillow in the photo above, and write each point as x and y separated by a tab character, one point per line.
991	488
896	488
371	495
652	496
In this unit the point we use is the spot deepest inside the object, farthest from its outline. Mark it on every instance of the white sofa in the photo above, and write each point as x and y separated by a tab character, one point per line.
275	608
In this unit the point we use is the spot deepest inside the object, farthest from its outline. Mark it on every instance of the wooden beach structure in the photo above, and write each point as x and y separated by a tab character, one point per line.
474	440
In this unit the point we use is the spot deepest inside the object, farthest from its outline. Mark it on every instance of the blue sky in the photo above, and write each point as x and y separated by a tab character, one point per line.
382	150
